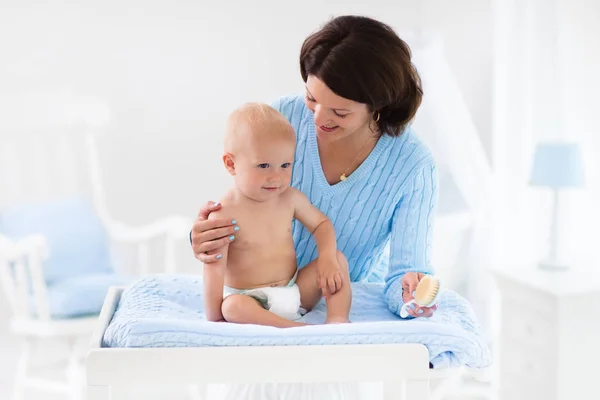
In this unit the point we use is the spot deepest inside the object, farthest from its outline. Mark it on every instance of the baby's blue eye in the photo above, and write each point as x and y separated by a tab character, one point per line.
286	165
263	165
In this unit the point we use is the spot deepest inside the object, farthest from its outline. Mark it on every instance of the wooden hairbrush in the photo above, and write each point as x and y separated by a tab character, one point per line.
426	295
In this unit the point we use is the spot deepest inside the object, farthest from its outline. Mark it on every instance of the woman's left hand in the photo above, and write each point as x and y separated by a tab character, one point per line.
410	280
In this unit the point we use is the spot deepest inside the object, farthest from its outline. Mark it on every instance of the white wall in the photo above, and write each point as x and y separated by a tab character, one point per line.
172	71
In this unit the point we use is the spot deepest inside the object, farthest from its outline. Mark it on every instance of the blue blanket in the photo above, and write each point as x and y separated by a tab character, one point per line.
167	311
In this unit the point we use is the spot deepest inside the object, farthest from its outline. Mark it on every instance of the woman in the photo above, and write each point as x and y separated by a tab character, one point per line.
356	157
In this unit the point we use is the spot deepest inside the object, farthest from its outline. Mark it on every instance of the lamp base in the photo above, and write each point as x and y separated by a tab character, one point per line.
549	265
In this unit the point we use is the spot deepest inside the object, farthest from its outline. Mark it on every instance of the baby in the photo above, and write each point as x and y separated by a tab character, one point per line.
256	279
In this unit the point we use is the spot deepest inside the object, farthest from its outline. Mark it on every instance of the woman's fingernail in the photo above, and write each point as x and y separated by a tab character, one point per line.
420	312
231	237
216	204
233	221
413	293
219	256
236	228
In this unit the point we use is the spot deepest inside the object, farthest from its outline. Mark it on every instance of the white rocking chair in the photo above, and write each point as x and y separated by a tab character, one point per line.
57	128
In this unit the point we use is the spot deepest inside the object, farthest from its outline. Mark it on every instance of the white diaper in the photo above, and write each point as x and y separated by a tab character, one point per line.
281	300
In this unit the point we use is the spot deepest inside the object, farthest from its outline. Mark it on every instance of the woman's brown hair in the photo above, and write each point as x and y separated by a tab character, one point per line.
364	60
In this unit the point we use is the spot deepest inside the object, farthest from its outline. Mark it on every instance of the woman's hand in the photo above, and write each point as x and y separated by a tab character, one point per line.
329	275
410	280
210	235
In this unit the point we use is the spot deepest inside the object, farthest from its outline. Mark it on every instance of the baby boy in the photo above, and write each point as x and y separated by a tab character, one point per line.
256	279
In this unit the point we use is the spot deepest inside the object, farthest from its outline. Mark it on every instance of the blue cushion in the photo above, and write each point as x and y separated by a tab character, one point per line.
80	296
78	243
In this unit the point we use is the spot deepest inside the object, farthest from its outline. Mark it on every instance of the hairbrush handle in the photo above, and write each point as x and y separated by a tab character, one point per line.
404	309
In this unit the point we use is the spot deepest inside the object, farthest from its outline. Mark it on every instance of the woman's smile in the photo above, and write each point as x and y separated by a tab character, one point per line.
326	129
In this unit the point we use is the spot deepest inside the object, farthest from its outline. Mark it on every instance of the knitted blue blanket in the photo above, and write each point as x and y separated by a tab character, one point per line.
167	311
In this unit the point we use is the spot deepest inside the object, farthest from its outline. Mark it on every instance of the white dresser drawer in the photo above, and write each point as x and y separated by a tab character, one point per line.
548	333
518	387
527	372
526	298
520	359
529	327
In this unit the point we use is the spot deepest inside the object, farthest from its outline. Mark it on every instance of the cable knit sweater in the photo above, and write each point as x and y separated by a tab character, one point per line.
383	212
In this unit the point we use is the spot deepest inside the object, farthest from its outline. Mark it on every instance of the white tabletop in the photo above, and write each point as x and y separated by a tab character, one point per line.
582	278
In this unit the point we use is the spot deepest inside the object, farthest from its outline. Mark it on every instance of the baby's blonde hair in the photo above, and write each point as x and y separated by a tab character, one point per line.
262	121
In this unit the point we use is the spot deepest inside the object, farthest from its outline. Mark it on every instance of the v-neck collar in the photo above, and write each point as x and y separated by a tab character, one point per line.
366	166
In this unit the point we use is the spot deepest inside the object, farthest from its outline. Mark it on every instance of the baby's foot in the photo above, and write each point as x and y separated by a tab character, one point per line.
337	320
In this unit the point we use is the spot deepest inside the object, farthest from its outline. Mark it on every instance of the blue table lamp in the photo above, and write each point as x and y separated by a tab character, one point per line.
556	166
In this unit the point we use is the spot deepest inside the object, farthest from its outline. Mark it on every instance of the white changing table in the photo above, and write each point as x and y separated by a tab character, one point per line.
403	368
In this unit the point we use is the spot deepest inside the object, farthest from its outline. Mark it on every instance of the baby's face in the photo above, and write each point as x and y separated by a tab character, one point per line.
263	168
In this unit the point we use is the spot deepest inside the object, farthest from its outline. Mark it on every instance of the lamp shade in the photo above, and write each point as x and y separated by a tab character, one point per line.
557	165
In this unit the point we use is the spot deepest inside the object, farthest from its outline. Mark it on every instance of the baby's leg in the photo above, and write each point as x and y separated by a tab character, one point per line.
338	304
242	309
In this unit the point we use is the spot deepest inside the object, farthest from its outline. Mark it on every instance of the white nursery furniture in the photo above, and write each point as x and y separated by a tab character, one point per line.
157	338
110	370
550	326
49	169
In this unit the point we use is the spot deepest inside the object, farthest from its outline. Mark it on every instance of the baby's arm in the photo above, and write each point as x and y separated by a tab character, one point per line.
330	278
214	280
316	222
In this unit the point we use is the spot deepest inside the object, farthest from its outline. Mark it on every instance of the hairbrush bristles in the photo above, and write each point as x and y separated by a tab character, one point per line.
427	291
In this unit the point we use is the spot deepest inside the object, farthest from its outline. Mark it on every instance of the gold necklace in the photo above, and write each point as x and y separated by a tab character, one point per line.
344	175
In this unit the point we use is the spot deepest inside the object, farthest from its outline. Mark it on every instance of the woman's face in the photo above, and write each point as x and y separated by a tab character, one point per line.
335	117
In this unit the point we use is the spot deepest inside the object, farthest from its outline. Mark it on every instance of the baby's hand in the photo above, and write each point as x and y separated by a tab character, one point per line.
329	275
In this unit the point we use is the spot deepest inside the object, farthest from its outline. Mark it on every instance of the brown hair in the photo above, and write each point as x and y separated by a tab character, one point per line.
362	59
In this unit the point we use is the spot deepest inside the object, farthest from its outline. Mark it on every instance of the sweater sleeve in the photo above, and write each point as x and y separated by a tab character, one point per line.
412	232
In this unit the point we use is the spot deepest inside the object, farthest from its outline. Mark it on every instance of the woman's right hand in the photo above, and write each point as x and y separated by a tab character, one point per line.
210	235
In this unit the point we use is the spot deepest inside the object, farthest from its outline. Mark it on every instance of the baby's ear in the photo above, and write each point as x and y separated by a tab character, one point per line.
229	164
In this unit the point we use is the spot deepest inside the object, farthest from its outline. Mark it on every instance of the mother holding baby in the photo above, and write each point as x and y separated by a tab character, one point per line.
356	158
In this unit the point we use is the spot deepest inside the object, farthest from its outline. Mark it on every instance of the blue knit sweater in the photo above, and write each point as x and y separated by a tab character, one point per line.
383	212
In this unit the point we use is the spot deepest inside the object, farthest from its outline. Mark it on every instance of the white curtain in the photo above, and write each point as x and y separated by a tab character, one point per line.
580	56
546	87
445	123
